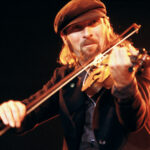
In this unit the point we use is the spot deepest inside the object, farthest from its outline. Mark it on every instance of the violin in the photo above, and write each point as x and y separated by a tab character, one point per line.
99	76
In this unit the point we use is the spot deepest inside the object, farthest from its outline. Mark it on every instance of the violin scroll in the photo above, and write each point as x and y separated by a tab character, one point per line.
139	61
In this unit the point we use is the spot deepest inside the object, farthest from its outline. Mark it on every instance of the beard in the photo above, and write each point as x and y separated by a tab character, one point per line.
89	48
85	52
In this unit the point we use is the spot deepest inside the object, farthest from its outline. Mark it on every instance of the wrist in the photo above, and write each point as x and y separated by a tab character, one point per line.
126	91
124	82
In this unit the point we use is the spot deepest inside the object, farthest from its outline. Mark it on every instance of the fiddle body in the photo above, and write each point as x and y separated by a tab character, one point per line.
99	75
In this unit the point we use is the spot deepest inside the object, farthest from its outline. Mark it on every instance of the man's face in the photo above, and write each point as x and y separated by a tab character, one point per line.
86	38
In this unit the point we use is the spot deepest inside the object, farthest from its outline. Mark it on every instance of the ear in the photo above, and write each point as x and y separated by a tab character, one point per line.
67	42
64	38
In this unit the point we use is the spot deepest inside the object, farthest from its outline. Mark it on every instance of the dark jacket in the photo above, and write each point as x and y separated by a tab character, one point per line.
117	112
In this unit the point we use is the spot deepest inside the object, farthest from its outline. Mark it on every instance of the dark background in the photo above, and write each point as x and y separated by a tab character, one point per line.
29	50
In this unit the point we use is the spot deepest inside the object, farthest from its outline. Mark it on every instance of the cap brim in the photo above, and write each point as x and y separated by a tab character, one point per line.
93	14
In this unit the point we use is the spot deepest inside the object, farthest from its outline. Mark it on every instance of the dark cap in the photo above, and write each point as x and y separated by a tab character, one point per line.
78	10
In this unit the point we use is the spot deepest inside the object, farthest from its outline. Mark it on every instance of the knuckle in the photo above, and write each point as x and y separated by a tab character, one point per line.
24	107
4	105
113	66
10	101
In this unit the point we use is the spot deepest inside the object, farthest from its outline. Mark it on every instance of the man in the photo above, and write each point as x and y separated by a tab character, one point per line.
96	114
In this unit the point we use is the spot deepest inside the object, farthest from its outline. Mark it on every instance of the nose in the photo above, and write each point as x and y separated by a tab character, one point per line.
87	32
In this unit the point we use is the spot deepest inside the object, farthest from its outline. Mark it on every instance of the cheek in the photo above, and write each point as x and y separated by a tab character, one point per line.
100	36
98	33
74	40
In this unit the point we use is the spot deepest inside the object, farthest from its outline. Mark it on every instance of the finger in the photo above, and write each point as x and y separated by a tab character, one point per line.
133	50
116	56
119	58
112	61
3	116
125	57
8	114
15	113
22	110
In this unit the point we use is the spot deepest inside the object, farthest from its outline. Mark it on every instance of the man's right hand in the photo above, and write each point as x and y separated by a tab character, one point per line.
12	113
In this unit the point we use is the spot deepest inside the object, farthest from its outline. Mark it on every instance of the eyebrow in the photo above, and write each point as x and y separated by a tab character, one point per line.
80	24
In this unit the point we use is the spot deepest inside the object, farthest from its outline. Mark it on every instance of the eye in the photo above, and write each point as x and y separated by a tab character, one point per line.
77	28
93	23
74	28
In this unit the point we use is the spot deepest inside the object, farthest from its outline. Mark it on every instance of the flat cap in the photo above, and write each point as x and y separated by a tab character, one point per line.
75	9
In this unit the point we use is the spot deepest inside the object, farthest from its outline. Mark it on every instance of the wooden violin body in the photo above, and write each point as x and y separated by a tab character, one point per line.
99	76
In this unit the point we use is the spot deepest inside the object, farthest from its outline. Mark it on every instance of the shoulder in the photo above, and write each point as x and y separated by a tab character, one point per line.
61	71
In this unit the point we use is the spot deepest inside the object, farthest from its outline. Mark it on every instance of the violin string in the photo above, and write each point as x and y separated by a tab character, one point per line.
85	77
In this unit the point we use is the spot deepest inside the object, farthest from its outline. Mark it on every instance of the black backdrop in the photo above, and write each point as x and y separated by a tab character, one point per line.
29	50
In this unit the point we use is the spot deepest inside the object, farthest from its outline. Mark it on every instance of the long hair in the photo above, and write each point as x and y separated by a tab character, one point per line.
67	57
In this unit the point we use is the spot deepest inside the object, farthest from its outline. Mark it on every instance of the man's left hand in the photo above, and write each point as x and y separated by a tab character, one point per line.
119	63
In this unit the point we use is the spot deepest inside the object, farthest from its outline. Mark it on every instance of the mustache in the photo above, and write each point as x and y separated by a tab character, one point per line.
88	42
